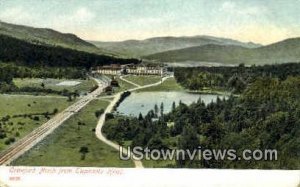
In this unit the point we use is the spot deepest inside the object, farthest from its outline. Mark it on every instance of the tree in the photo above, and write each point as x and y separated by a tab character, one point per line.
162	109
188	141
98	113
76	94
237	84
141	117
189	138
156	143
83	150
264	116
156	109
55	111
17	134
36	118
79	123
69	97
173	106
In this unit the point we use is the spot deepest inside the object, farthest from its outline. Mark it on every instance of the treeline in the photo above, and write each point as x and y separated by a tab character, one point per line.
24	53
122	97
266	115
8	71
6	78
234	79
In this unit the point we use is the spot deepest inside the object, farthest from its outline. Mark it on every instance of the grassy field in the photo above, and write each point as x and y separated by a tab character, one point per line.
83	87
62	147
123	85
168	85
33	106
143	80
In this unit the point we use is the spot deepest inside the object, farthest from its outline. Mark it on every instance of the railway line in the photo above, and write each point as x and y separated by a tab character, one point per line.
34	137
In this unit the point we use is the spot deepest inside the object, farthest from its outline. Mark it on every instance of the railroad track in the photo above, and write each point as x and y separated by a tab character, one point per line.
34	137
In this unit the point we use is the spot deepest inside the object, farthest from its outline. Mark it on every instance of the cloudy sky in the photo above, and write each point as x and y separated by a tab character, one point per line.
262	21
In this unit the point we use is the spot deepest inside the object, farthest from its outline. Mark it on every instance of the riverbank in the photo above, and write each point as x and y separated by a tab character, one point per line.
213	91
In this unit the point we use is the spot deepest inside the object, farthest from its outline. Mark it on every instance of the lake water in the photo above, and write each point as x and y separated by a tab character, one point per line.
143	102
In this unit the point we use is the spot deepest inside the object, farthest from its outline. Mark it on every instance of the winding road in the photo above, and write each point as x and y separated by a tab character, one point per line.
33	138
109	109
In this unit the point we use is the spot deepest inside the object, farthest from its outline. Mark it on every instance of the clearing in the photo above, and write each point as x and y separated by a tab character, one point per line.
62	147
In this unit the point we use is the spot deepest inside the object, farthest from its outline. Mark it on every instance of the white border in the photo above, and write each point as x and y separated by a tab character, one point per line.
117	177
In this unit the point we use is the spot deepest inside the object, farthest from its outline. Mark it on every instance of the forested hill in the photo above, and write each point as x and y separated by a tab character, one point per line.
49	37
138	48
25	53
281	52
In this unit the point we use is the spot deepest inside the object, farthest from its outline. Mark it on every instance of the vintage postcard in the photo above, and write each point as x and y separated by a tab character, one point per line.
149	93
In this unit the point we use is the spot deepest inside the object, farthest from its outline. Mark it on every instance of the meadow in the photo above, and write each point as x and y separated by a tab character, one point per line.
64	146
83	86
19	115
143	80
168	85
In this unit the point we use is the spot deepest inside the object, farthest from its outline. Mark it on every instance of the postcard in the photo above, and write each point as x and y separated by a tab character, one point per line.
149	93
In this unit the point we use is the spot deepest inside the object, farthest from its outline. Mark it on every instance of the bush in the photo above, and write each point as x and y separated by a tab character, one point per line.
98	113
55	111
7	142
2	135
36	118
12	139
94	88
17	134
109	116
83	150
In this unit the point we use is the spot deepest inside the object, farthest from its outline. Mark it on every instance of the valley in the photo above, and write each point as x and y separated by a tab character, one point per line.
70	102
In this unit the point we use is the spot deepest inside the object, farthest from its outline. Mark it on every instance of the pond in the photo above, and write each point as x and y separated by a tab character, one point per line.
143	102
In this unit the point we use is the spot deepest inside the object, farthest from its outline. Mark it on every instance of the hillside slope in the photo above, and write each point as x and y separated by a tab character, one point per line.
49	37
25	53
281	52
138	48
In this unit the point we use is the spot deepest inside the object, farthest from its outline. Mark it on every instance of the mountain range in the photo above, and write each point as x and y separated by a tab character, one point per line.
159	49
280	52
139	48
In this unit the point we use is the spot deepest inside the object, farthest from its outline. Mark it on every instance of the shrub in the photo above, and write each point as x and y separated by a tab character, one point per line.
36	118
98	113
109	116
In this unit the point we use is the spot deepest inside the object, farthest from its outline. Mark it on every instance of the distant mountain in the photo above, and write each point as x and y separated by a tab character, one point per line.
49	37
138	48
21	52
281	52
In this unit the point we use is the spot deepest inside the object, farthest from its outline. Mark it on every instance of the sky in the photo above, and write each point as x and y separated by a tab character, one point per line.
260	21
